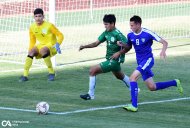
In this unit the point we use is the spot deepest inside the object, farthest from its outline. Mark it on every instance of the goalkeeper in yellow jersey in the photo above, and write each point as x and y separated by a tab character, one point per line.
49	39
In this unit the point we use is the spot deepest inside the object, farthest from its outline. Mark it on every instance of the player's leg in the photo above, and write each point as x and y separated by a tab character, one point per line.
150	84
116	70
103	67
121	76
28	63
147	76
94	70
143	66
134	91
45	52
163	85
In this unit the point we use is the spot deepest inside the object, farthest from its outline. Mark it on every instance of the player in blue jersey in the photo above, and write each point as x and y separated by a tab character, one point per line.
142	39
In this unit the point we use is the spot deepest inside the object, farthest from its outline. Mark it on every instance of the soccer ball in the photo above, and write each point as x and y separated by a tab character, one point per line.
42	107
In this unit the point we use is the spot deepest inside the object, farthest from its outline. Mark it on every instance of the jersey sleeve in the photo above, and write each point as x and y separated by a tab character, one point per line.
154	36
129	41
122	38
102	37
59	35
32	39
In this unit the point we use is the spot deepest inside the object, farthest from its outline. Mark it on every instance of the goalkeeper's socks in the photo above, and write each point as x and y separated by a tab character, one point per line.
166	84
134	93
126	81
28	64
92	84
47	60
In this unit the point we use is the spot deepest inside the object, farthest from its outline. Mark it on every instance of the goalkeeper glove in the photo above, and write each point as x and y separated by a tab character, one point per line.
56	46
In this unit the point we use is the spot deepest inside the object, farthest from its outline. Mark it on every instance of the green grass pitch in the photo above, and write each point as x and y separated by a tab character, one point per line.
71	81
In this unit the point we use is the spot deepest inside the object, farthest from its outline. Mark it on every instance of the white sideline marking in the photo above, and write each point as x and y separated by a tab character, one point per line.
87	62
21	63
20	70
94	109
44	67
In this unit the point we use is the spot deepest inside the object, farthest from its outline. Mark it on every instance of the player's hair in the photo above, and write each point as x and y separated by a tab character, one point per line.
136	19
38	11
109	18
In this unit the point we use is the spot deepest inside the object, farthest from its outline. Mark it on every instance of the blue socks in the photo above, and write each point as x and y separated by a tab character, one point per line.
159	85
166	84
134	93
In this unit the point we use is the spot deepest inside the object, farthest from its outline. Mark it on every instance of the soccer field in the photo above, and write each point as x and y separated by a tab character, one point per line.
161	109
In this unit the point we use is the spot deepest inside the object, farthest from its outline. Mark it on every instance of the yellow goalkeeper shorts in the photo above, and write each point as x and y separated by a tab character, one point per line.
52	50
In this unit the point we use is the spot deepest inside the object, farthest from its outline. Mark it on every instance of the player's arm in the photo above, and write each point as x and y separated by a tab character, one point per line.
123	43
101	39
165	44
126	49
59	35
32	40
164	48
122	51
92	45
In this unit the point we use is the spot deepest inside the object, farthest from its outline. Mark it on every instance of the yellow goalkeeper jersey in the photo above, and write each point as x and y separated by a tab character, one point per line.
45	34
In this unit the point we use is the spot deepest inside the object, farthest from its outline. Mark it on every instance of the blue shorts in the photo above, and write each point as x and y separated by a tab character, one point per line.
144	67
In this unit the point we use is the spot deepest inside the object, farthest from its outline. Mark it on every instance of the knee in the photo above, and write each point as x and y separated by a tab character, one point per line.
131	78
32	53
44	53
92	71
152	88
119	77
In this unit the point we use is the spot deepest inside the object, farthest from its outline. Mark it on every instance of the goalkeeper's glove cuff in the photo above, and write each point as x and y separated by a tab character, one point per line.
57	48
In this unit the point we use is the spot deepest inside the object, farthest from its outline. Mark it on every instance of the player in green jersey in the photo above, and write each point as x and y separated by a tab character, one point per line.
111	35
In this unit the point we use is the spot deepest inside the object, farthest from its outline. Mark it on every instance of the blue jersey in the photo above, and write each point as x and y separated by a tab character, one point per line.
142	43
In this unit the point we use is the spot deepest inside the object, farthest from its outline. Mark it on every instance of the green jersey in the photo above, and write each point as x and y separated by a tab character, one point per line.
111	37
